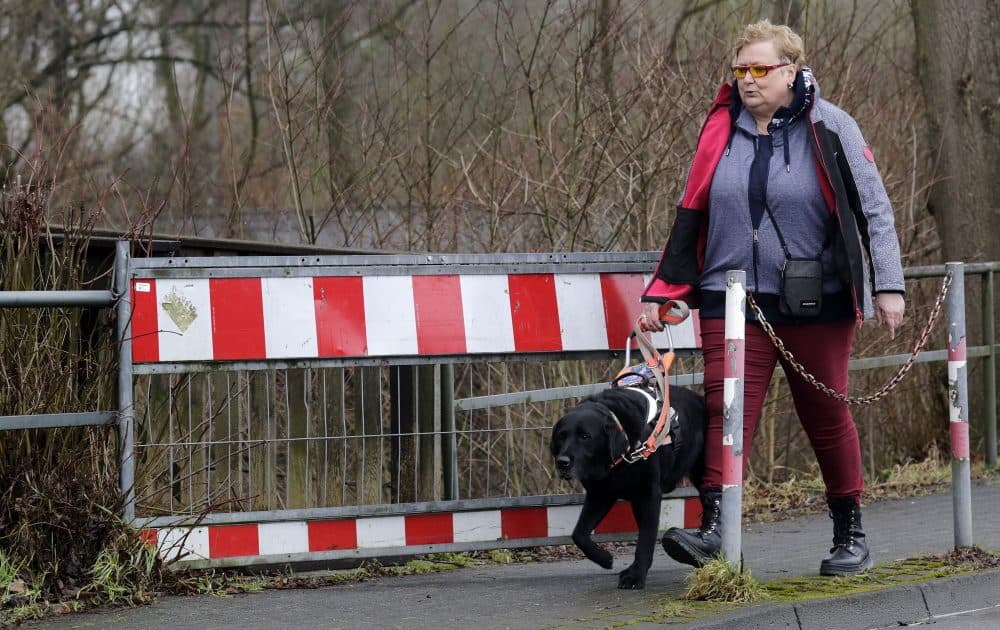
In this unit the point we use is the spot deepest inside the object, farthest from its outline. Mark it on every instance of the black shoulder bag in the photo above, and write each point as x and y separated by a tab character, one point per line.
800	292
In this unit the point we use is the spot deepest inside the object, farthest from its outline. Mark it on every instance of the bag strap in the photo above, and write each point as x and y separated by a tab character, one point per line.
777	230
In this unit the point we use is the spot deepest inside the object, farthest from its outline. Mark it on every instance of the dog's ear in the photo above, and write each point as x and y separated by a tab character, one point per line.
617	440
622	404
554	445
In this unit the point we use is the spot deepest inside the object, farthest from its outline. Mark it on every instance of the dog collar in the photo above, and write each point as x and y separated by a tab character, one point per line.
618	423
628	447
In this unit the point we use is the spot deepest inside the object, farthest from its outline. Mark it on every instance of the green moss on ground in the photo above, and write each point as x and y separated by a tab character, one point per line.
800	589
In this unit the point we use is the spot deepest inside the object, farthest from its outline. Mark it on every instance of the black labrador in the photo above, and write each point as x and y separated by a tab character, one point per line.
587	443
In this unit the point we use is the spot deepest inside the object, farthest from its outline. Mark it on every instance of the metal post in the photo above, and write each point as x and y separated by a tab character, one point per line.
41	299
450	442
732	418
429	481
990	371
126	411
958	407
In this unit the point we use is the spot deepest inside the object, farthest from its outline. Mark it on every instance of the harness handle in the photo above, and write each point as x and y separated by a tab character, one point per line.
650	354
674	312
660	365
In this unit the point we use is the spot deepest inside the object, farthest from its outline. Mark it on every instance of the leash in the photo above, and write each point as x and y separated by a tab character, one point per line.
826	389
672	313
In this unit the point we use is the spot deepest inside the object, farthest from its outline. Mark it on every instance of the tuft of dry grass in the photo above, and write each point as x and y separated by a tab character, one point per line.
721	581
972	558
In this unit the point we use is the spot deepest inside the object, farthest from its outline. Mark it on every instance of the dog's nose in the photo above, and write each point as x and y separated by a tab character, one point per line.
563	462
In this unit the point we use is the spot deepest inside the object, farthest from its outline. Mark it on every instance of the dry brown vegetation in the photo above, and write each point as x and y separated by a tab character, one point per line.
61	537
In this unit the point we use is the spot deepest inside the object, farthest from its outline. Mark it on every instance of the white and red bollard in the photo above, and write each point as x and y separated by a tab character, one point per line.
732	418
958	407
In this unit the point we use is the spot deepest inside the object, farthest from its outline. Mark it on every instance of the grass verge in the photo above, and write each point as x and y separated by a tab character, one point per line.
715	590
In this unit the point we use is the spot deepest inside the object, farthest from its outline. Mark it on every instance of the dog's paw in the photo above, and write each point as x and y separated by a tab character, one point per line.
632	578
604	559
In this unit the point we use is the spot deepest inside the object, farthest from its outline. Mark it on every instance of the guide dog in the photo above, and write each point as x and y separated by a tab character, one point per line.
588	443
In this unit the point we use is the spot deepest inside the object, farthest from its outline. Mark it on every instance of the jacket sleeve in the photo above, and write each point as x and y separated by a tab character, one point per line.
677	272
878	225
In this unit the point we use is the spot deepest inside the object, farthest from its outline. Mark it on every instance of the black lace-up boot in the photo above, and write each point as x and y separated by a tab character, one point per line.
698	546
849	554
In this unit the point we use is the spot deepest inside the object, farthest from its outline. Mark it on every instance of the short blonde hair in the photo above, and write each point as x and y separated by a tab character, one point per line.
786	41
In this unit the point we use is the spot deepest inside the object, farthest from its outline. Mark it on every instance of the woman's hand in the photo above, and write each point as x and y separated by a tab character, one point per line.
650	318
889	309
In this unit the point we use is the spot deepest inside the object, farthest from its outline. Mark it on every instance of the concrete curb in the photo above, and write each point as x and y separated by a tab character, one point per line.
900	605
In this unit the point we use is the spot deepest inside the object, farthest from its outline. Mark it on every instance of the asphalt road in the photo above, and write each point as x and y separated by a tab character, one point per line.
971	620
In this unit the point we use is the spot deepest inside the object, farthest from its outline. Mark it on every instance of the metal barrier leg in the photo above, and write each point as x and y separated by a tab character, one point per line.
732	423
126	410
958	407
990	371
449	444
429	482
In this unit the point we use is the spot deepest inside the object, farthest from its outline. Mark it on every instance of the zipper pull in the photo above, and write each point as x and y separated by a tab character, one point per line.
755	239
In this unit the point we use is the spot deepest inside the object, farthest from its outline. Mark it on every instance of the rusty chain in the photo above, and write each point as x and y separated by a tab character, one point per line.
854	400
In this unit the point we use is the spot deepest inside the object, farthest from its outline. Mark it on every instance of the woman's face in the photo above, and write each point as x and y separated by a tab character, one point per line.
763	96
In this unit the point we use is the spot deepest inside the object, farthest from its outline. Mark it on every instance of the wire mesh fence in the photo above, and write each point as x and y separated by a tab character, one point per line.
280	439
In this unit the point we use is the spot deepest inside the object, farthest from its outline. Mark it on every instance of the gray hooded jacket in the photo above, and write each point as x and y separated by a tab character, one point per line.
796	200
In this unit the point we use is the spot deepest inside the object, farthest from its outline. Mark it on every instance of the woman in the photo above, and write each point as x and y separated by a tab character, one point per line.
780	173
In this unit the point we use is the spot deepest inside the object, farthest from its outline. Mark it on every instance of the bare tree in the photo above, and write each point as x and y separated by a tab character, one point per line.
959	68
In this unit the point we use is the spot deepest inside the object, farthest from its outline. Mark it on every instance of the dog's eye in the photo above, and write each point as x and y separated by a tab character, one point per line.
584	436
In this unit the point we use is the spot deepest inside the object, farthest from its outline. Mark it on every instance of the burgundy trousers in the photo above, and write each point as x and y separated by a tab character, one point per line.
824	350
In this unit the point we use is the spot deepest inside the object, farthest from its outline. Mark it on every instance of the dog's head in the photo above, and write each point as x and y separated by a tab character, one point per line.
586	441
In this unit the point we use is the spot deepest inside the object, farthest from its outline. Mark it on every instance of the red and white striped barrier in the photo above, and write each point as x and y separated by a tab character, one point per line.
222	319
412	533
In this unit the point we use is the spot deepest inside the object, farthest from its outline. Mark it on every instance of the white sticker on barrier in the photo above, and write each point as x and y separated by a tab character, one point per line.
729	391
184	316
